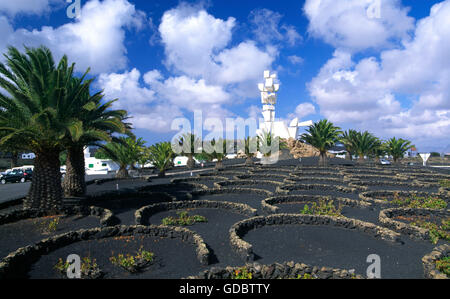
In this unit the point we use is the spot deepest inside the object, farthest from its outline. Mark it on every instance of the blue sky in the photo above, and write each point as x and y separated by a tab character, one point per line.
388	73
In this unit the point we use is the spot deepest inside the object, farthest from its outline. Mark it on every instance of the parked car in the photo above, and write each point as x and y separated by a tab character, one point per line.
17	176
385	162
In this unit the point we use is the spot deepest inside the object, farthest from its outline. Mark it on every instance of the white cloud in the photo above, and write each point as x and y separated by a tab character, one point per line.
191	37
268	29
405	93
347	25
94	40
34	7
302	110
242	63
294	59
254	112
207	73
126	86
189	93
196	46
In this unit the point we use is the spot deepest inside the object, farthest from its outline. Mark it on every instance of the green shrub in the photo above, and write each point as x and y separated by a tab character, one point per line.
242	273
89	268
323	207
49	225
420	202
183	219
443	265
133	263
445	183
436	231
306	276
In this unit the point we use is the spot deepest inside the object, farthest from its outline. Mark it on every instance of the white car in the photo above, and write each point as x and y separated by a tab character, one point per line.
385	162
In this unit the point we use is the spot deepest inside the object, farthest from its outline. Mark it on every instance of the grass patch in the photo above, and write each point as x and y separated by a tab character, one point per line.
183	219
323	207
443	265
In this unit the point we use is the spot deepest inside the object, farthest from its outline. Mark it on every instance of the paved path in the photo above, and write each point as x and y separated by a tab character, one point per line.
11	191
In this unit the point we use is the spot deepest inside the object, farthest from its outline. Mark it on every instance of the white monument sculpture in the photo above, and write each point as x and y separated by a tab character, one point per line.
269	91
425	157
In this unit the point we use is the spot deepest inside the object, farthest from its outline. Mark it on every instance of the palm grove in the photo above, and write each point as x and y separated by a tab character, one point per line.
45	108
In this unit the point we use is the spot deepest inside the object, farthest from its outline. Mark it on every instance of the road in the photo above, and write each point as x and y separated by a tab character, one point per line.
13	191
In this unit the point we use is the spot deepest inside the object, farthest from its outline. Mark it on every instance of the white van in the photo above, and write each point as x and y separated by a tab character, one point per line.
182	161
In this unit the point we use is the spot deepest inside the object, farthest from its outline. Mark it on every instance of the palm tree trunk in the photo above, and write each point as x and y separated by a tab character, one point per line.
74	183
14	159
219	165
249	161
323	159
348	156
162	174
45	191
122	173
190	162
361	159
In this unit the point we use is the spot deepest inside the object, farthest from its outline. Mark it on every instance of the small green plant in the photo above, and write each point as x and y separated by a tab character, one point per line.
88	268
323	207
443	265
420	202
242	273
436	231
49	225
306	276
62	266
183	219
445	183
133	263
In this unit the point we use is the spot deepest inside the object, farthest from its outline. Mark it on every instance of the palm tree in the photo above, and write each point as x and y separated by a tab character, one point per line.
250	148
162	155
218	152
348	140
322	135
397	147
125	151
379	150
364	144
268	145
95	122
34	115
12	150
190	144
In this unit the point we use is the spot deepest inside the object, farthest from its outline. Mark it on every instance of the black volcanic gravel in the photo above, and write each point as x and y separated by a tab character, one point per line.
112	185
338	248
314	245
251	199
215	232
326	193
173	257
26	232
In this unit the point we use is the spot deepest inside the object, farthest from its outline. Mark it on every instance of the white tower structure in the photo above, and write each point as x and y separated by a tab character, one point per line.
269	91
